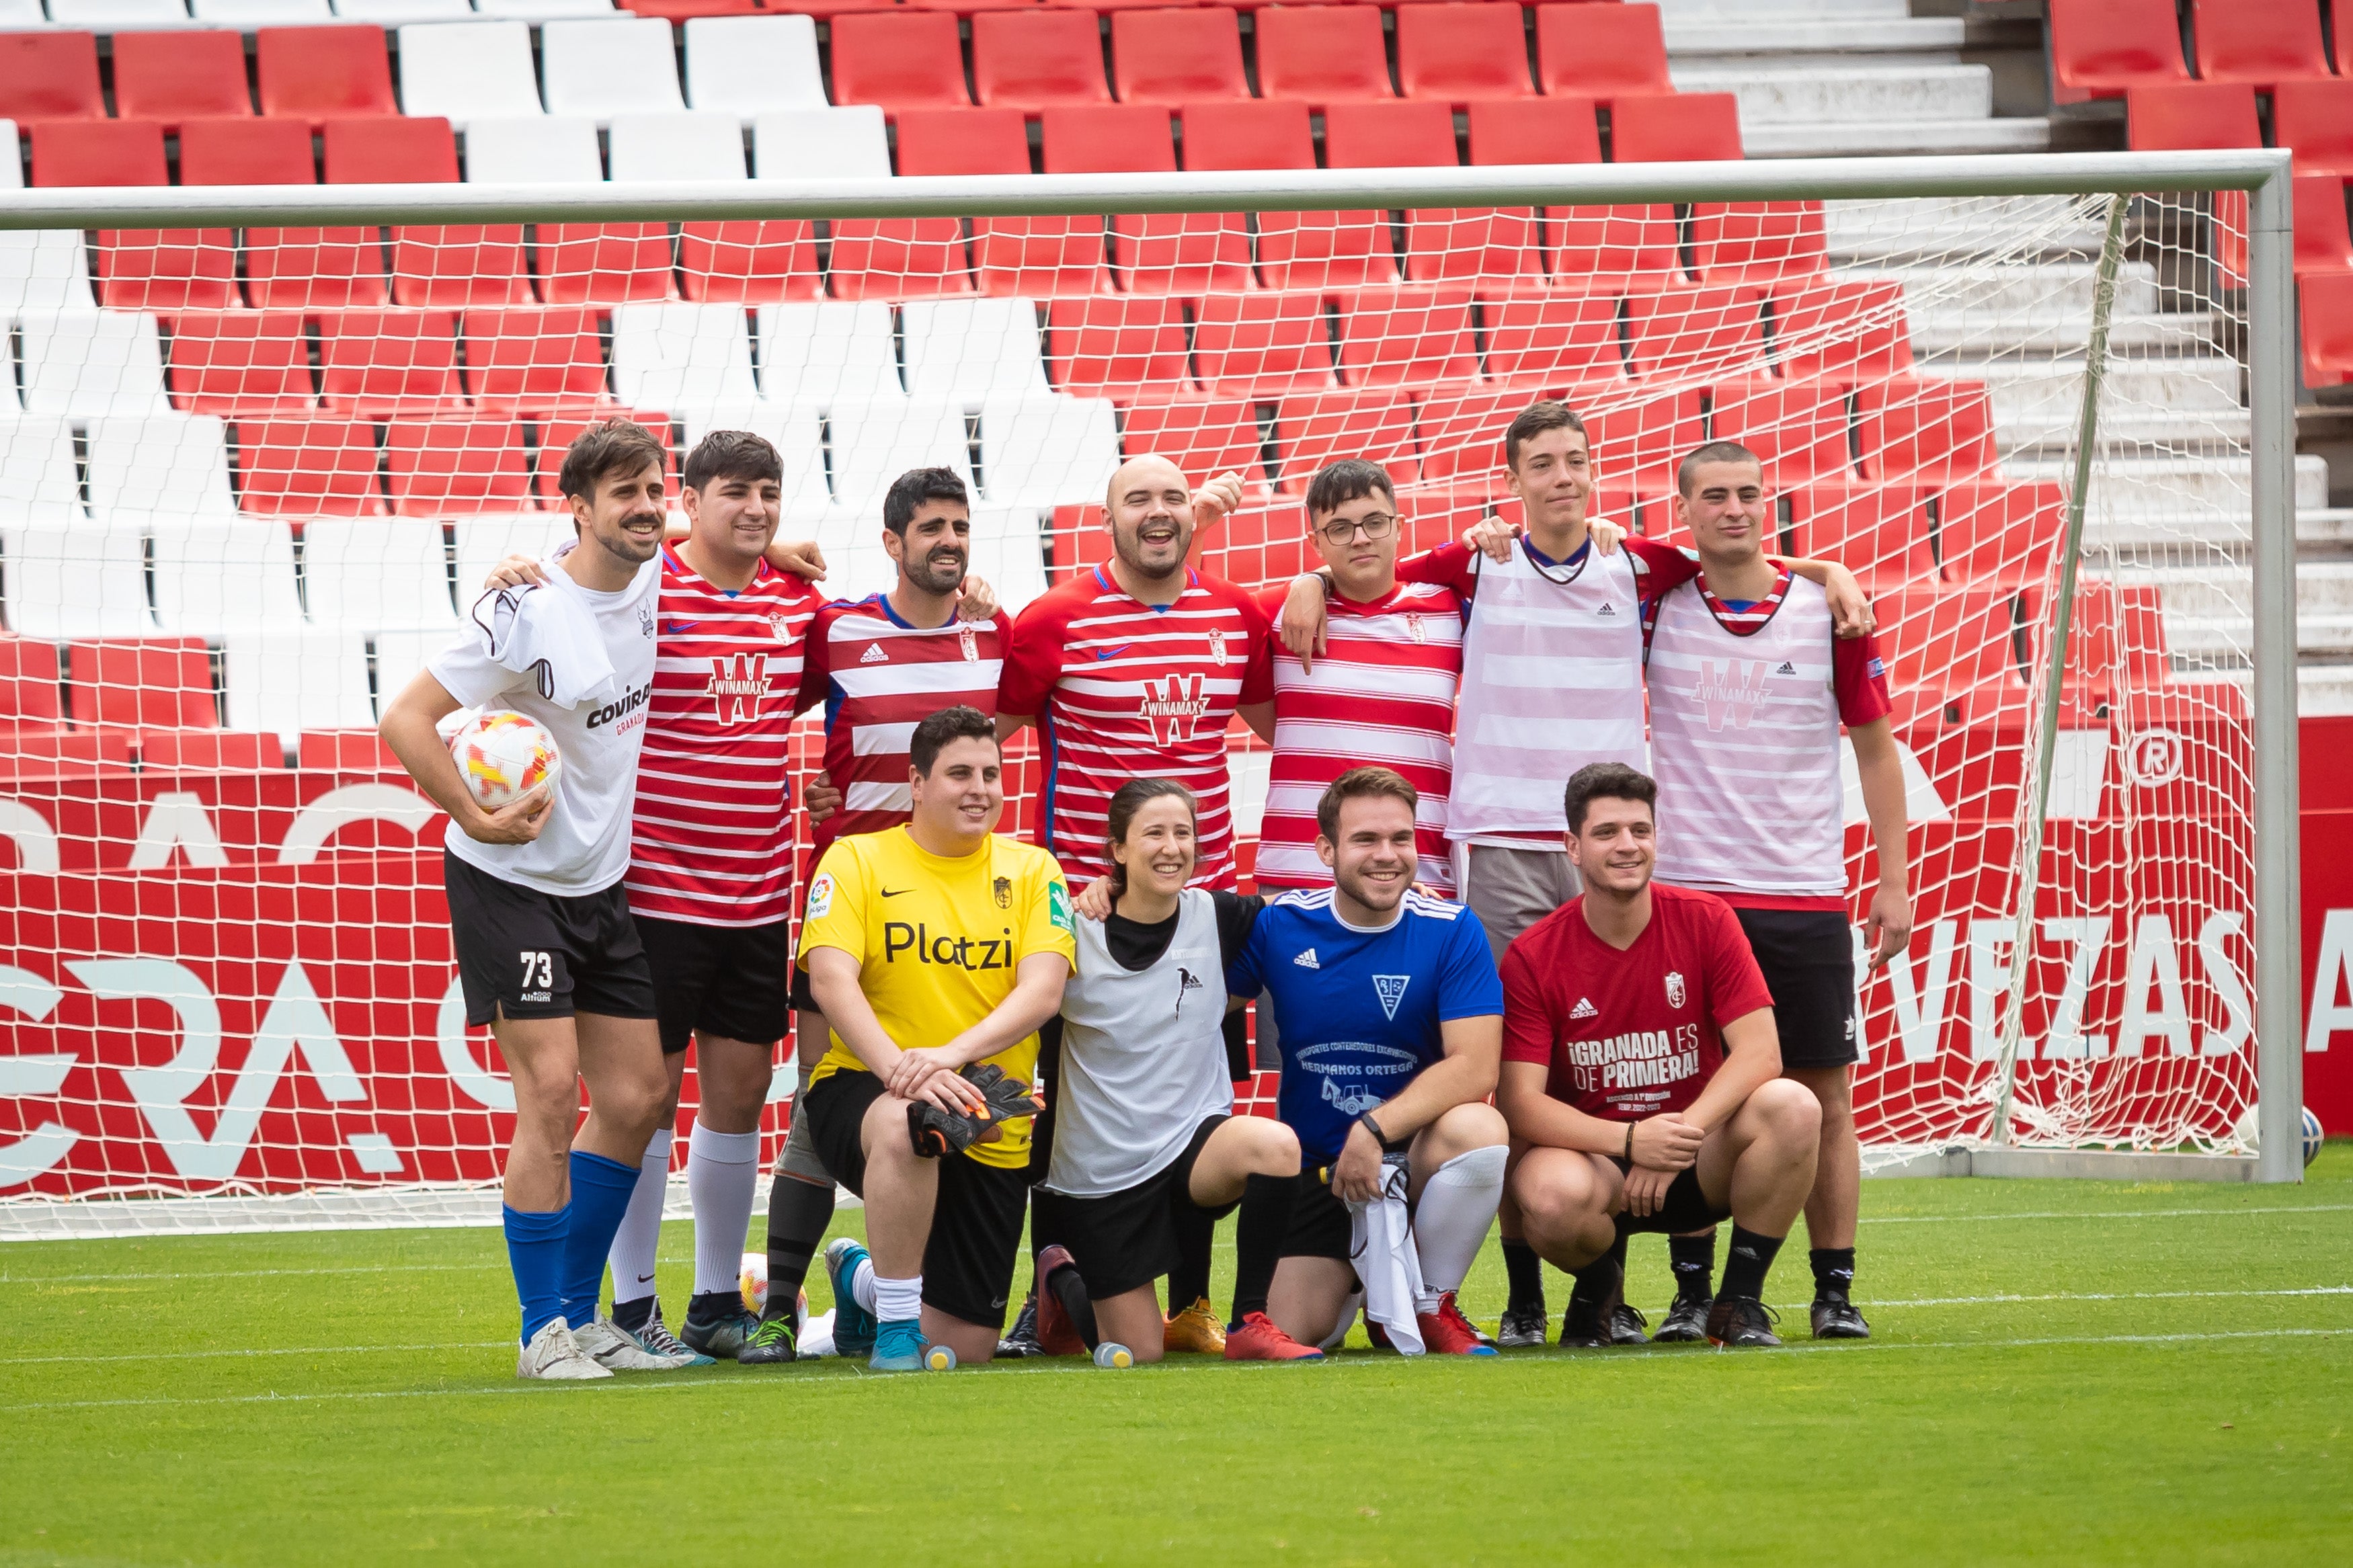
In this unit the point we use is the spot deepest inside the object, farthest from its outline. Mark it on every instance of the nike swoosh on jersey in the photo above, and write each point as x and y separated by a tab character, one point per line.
1104	653
676	626
894	892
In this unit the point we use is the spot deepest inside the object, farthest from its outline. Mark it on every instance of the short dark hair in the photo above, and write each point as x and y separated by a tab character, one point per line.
960	722
1351	479
911	489
1687	471
732	454
1607	781
1544	413
613	447
1126	802
1361	783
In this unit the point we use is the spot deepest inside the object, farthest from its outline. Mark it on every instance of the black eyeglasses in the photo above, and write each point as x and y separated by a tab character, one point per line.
1376	527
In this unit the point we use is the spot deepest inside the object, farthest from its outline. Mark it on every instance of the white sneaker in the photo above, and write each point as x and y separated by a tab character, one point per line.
553	1354
605	1343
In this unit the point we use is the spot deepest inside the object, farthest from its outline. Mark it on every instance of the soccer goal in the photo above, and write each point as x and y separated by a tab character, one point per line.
265	443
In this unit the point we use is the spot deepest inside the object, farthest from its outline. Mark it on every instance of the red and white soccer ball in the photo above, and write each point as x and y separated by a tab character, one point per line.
754	1283
504	756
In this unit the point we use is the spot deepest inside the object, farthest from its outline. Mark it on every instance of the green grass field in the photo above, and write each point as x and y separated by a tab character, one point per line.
2063	1370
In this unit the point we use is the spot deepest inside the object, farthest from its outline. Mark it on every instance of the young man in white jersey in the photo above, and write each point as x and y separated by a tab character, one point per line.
1750	689
546	951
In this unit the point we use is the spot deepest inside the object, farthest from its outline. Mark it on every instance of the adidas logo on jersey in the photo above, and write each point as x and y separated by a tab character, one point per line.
1585	1009
1307	959
874	655
1607	609
1787	669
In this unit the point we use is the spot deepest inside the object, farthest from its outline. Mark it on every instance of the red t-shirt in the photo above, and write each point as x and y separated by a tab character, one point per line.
1633	1034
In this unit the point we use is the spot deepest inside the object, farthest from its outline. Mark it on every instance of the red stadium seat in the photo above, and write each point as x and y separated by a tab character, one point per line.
1261	546
1589	51
1949	645
98	152
1407	337
1797	428
2099	47
466	264
245	152
2316	120
1934	431
1312	429
2340	32
240	363
404	150
1029	255
1030	59
1613	249
1153	253
29	687
909	61
556	436
1534	131
347	751
1212	249
1707	333
1441	243
180	74
210	751
1177	56
2321	241
1459	54
2263	44
50	73
2165	116
318	74
1673	128
606	264
2324	308
748	261
1757	242
533	360
1849	329
1461	434
1321	54
163	682
1295	250
1125	346
2118	642
308	468
376	363
1549	340
1262	345
449	467
1638	447
918	257
138	269
1879	532
1211	436
1389	135
2000	535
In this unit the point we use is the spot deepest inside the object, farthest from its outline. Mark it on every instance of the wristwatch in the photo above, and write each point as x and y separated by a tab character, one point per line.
1365	1120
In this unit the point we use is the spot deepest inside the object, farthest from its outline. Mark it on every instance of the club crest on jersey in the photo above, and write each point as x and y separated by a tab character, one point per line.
969	640
1391	989
737	685
1005	892
1675	993
646	621
1217	645
780	626
1414	627
1173	706
1732	693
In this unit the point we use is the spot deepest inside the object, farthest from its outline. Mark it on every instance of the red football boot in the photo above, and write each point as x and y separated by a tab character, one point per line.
1256	1338
1447	1331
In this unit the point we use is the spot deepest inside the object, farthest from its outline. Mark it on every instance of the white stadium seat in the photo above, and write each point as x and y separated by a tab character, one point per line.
846	144
261	13
795	430
1008	550
484	542
169	466
373	574
395	12
38	481
76	580
106	15
682	146
622	66
286	682
43	269
822	351
545	10
1047	451
12	152
463	70
91	363
535	150
674	355
875	443
212	578
22	14
398	656
749	65
970	347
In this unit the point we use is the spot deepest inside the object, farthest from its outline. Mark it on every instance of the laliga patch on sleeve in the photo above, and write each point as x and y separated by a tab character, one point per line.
1058	906
820	899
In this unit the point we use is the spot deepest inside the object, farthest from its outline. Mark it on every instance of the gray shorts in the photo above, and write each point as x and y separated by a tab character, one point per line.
799	1159
1510	889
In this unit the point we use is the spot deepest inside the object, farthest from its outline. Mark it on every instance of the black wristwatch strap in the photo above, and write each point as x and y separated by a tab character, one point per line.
1364	1119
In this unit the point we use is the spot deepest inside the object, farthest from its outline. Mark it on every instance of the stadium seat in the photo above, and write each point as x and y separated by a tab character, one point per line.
537	11
86	581
600	69
533	360
245	152
1534	131
1637	446
877	257
90	362
852	144
1879	532
1008	550
182	73
258	14
376	364
43	269
323	268
1797	428
318	74
1947	646
1593	51
1459	54
1212	248
2164	116
1928	431
163	750
2118	645
137	268
798	432
557	433
913	60
144	683
484	542
1152	253
1707	333
398	13
1315	429
1375	135
1042	450
1486	243
1757	242
968	348
443	467
50	73
819	353
459	71
1461	436
1619	249
2265	45
672	353
1441	243
1260	547
1178	56
875	443
308	468
1321	54
466	264
1033	256
1263	345
1201	435
1407	337
163	469
2322	244
39	482
1668	127
1117	345
2000	535
748	65
571	263
119	16
1840	329
214	576
1032	59
2316	120
375	575
30	685
2099	47
728	262
2324	312
96	152
285	682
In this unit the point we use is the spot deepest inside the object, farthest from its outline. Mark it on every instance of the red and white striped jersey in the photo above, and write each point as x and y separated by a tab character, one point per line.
879	677
1383	693
713	837
1122	689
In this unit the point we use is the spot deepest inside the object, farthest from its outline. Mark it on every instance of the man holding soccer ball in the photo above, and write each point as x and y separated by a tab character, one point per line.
546	951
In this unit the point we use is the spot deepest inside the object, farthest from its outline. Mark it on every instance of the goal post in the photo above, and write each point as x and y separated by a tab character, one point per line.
264	441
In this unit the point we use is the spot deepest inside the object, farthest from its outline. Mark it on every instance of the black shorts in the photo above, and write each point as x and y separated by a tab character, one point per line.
1686	1207
1319	1221
975	1224
804	999
728	980
1808	957
523	953
1126	1239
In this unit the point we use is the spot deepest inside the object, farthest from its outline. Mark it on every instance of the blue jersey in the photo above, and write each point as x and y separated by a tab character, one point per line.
1358	1011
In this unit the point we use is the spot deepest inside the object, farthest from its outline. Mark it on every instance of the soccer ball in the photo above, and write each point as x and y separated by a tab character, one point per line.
2314	1135
753	1282
504	756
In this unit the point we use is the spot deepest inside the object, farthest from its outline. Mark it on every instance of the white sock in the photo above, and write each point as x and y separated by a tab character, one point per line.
897	1300
639	1238
1457	1208
721	1169
861	1284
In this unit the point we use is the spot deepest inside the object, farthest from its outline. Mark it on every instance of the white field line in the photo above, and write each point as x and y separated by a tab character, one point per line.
2098	1214
638	1384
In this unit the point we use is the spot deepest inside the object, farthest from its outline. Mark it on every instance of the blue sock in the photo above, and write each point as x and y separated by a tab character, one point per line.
600	1196
535	1253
